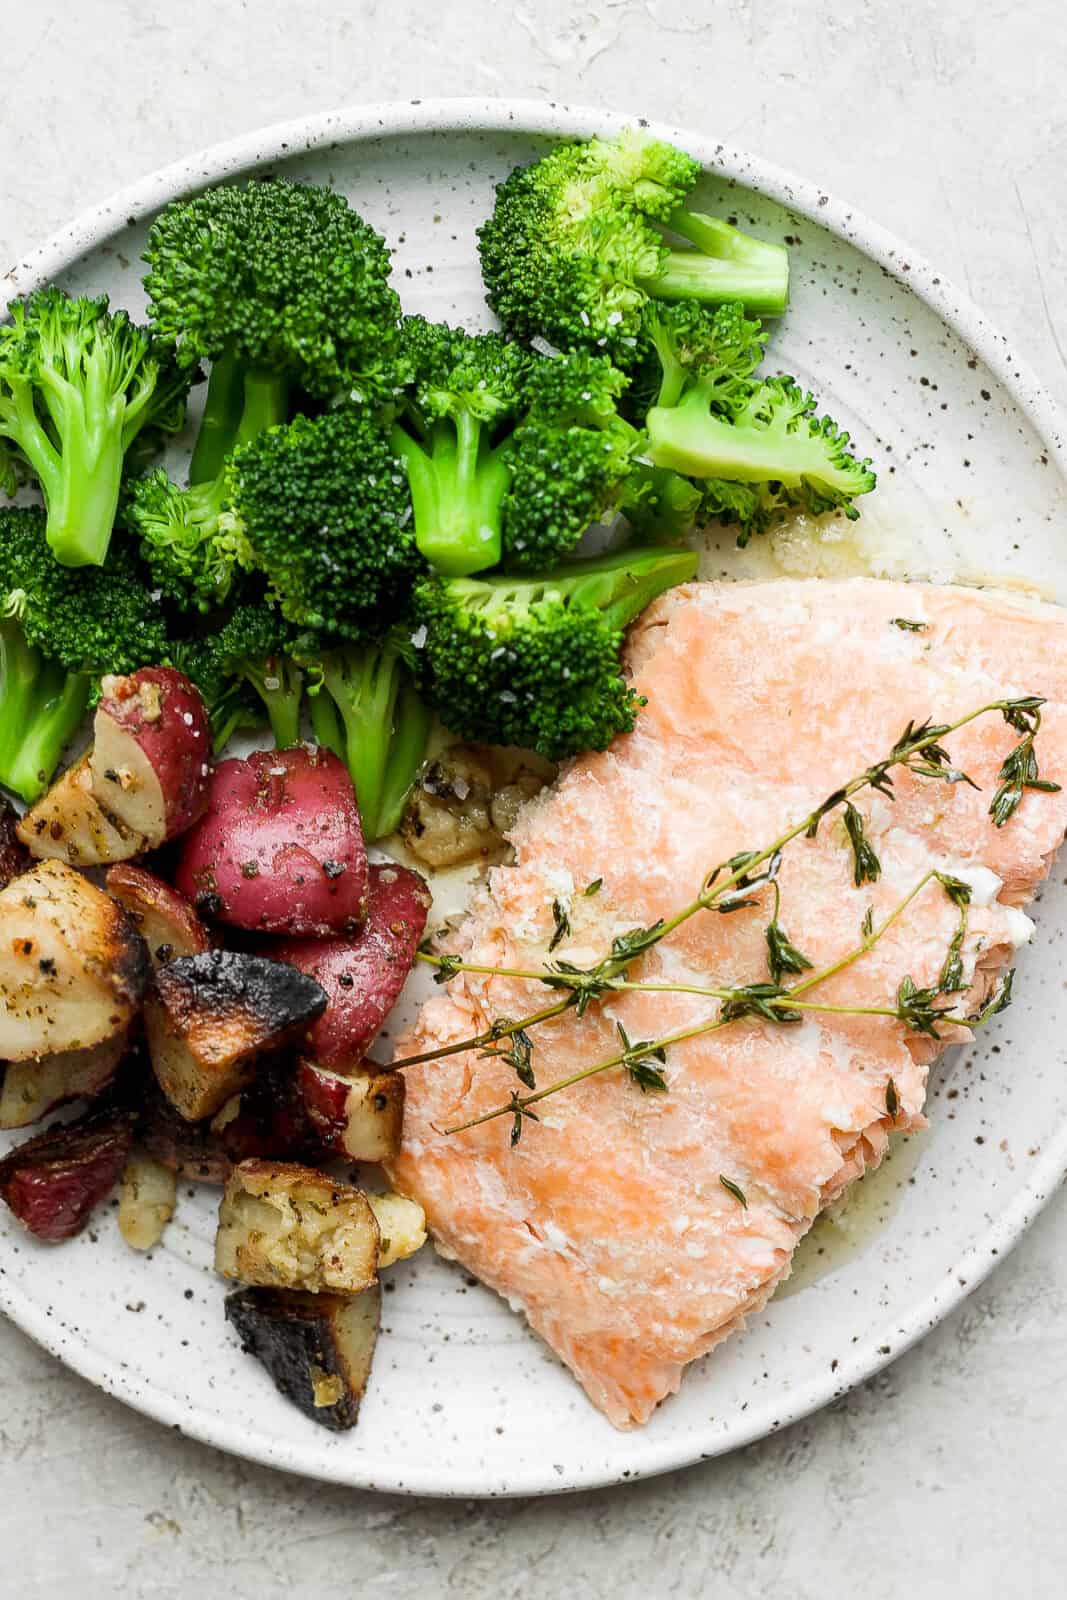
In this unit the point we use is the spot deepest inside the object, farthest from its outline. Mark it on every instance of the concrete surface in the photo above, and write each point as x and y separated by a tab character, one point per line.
943	1476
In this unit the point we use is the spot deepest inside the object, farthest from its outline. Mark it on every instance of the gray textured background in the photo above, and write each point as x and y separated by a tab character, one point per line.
944	121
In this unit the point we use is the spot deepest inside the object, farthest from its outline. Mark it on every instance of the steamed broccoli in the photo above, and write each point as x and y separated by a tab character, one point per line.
78	384
534	660
366	709
512	455
283	286
248	673
279	284
60	630
575	250
757	454
467	391
324	507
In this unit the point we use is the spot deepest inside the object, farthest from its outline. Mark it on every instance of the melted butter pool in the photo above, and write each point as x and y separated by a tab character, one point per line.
852	1222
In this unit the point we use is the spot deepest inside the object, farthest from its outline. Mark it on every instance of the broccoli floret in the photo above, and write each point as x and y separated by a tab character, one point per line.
324	507
366	708
767	455
60	629
534	661
577	247
194	554
570	459
510	455
232	704
78	384
467	389
279	284
250	661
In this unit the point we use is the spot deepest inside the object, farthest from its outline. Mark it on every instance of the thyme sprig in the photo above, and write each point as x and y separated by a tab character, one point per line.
917	1009
734	884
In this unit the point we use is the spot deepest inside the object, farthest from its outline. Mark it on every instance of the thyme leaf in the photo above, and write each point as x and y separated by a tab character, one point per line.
757	1000
625	946
892	1099
640	1060
918	1008
782	955
999	1001
519	1056
908	626
732	1188
594	887
562	922
866	867
519	1113
1019	771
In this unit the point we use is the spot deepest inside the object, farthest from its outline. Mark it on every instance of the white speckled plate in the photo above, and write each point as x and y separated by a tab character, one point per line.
464	1401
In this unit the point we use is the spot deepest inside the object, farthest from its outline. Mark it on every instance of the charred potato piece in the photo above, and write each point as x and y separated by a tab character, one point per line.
14	857
360	1117
217	1012
73	969
318	1348
363	974
164	918
69	823
33	1088
290	1227
146	1203
267	1120
53	1182
151	752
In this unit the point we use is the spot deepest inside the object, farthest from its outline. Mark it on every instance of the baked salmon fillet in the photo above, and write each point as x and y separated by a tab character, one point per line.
609	1224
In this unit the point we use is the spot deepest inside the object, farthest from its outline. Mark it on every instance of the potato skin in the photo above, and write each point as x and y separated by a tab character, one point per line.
53	1182
14	857
361	1117
318	1348
163	917
280	848
362	976
151	752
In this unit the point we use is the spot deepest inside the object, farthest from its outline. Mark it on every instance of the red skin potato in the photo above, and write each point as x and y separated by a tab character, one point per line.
280	847
272	1124
151	752
363	975
54	1181
359	1117
14	857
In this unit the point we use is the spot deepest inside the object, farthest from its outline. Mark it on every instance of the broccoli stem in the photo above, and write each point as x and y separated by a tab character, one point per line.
725	265
279	682
458	486
381	726
412	729
41	705
241	403
690	439
618	585
326	723
81	484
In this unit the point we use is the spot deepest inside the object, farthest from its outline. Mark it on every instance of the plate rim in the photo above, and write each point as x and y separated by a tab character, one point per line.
390	119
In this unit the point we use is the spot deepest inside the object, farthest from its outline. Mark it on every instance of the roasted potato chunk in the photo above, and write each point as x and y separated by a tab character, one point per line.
318	1348
53	1182
287	1226
217	1012
401	1224
164	918
146	1204
69	823
73	968
360	1117
33	1088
